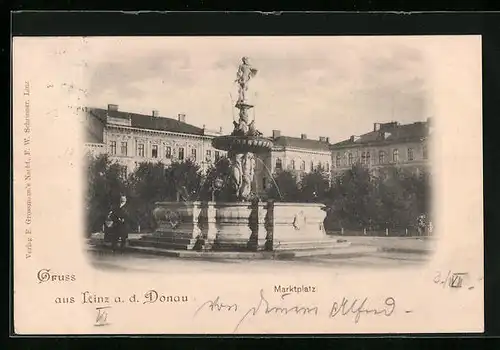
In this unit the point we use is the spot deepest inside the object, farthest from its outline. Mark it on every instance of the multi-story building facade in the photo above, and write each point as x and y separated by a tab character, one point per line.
388	144
131	138
299	155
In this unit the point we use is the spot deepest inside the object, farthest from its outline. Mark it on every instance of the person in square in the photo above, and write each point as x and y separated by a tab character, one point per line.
117	224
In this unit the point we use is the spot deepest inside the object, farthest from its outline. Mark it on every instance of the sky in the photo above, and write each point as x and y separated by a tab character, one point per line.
320	86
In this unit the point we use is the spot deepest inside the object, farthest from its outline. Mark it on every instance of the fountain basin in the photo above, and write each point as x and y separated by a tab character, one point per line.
242	144
239	226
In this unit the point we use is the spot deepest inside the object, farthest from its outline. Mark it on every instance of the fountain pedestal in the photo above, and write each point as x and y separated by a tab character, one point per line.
239	226
295	226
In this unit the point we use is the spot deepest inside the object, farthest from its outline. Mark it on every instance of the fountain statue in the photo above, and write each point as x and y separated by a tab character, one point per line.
245	141
247	223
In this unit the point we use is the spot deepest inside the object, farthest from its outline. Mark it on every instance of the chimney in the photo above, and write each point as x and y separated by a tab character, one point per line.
327	139
220	129
376	126
276	134
112	107
156	113
386	126
181	117
303	136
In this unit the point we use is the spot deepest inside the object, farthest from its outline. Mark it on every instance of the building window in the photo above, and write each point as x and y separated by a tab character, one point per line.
395	155
363	158
327	166
168	152
193	153
338	160
312	165
154	151
217	155
349	159
208	156
181	153
264	182
292	164
303	165
112	147
410	154
368	158
279	164
381	157
424	151
124	148
140	150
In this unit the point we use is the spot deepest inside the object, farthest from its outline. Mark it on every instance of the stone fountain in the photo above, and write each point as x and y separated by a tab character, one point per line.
246	224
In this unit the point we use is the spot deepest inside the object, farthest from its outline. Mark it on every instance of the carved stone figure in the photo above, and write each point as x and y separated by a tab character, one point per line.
244	115
248	170
242	173
252	131
243	164
240	129
243	76
237	171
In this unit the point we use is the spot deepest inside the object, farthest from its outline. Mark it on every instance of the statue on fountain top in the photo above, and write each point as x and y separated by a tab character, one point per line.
243	127
243	76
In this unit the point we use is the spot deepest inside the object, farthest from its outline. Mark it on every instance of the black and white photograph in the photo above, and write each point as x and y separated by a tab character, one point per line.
307	155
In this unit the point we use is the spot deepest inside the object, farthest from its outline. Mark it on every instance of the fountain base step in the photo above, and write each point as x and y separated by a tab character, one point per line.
180	243
164	245
308	245
332	253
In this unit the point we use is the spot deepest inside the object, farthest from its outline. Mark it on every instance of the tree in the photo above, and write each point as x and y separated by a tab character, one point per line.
352	199
148	185
217	181
184	181
314	186
105	183
284	187
155	182
403	197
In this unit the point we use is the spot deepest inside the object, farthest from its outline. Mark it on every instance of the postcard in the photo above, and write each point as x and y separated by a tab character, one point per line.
247	185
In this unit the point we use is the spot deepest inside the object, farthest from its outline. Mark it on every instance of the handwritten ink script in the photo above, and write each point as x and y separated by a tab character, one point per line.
346	307
455	280
27	169
102	316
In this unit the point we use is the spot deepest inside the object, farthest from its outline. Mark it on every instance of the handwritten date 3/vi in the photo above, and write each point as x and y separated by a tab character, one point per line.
346	307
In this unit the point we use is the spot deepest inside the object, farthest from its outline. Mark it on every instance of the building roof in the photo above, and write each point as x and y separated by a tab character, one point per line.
143	121
288	141
388	133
